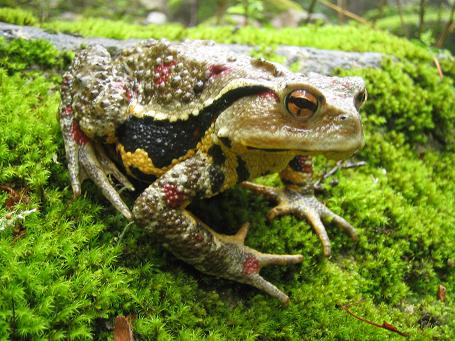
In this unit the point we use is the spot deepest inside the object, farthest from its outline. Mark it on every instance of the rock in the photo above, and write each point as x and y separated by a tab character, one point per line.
69	16
317	60
61	41
155	18
294	18
317	18
326	61
239	20
309	59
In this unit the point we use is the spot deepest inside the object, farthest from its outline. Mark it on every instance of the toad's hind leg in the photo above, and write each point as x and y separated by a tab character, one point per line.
161	210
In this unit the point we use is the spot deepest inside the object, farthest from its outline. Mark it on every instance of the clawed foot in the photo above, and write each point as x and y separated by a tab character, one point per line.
97	166
302	206
89	160
245	264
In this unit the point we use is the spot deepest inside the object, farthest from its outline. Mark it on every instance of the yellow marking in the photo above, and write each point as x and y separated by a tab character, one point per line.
257	162
207	140
140	159
230	164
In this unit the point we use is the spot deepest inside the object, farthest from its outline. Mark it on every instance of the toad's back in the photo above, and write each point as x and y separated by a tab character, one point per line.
157	101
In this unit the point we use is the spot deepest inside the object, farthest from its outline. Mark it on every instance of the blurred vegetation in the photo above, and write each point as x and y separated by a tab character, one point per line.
17	16
64	275
399	17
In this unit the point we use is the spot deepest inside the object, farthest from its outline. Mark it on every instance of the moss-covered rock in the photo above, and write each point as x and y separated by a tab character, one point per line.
64	273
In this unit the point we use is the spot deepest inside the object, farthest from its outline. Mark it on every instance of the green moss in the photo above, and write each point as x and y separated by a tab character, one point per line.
55	274
17	16
410	97
21	54
348	38
63	274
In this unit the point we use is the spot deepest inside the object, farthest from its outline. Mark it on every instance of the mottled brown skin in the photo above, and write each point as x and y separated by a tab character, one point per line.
199	120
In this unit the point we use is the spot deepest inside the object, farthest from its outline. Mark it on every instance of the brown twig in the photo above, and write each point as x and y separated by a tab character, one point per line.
220	11
421	17
384	325
445	33
400	12
247	12
310	10
438	66
341	4
345	12
14	197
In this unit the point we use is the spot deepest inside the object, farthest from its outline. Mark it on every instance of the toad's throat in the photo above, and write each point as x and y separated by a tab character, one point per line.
164	141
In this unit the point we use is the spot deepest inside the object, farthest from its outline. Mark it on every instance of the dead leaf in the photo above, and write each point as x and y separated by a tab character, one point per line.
442	291
123	330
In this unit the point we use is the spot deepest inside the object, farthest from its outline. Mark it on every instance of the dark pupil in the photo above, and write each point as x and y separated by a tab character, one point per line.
303	103
361	97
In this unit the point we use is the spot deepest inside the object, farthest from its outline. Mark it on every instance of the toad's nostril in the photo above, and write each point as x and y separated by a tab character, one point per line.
343	117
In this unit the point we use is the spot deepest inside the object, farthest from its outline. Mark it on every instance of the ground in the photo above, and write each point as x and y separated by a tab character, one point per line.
65	271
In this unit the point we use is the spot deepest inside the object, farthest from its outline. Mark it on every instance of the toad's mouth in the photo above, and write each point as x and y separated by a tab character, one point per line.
276	150
335	155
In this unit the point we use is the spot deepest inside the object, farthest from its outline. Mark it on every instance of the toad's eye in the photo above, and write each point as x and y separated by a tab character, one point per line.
301	104
360	98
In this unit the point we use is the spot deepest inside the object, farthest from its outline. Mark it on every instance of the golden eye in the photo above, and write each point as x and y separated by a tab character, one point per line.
360	98
301	103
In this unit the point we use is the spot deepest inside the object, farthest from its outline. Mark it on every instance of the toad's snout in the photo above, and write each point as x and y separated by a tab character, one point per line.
351	132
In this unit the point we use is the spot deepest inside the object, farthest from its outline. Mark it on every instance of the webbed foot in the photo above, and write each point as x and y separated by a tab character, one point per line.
305	206
245	263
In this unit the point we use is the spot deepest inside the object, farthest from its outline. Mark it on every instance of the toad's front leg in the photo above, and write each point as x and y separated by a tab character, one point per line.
297	198
161	210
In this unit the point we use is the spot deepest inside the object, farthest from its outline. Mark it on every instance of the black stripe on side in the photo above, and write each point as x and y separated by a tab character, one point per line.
216	178
217	154
164	141
242	170
226	141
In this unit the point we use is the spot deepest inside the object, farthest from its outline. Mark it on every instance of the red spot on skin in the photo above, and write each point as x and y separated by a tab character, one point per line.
77	134
198	237
269	94
127	93
121	86
68	111
173	196
164	72
217	70
250	265
305	163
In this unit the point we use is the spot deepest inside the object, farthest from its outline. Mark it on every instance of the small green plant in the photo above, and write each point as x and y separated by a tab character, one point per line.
17	16
250	9
21	54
